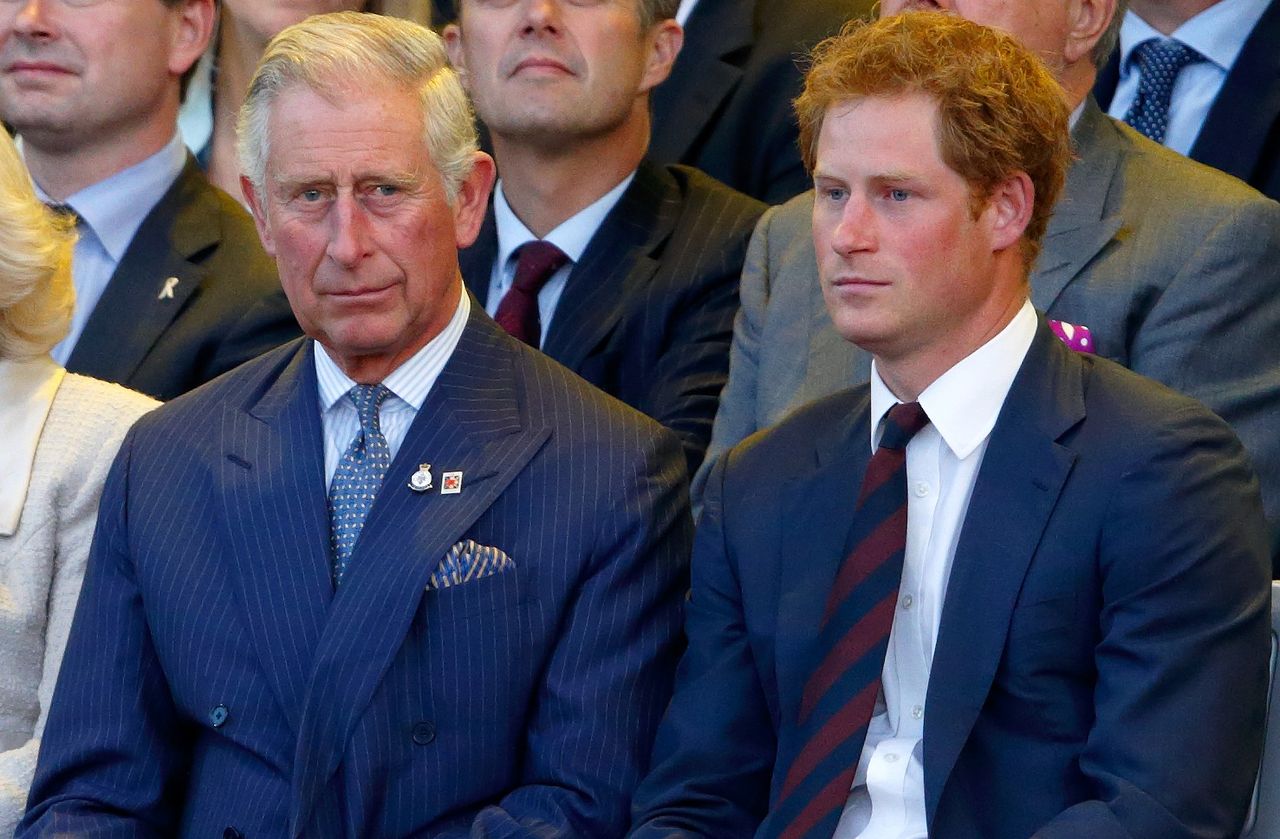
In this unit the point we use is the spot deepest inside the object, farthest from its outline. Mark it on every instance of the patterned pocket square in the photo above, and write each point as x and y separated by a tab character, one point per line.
467	561
1077	338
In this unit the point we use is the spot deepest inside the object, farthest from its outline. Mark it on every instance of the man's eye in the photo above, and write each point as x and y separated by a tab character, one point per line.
834	193
386	190
898	195
310	195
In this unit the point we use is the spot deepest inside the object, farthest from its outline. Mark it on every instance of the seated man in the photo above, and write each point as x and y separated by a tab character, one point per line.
624	271
1040	608
1171	265
475	636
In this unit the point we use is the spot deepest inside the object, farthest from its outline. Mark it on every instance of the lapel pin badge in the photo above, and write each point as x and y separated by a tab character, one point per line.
420	481
166	293
451	483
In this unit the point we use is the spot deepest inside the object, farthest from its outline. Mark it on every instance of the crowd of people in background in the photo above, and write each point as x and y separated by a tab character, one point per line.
654	418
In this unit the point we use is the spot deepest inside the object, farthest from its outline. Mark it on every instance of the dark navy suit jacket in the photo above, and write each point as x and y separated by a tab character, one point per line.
214	684
226	308
1241	132
1101	663
647	313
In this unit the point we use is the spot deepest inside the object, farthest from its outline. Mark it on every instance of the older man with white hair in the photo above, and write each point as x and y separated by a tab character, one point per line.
404	577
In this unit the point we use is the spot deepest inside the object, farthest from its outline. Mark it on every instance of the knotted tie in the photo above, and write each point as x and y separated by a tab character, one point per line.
358	477
840	694
1159	62
518	311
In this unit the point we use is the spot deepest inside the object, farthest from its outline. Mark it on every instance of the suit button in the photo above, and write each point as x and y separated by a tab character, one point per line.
217	718
423	733
232	833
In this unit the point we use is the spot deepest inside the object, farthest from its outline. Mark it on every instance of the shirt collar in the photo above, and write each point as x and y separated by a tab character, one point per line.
27	388
572	235
1218	33
412	380
963	402
114	208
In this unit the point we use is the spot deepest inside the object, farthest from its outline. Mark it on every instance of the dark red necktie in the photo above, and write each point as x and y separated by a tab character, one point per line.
841	693
518	311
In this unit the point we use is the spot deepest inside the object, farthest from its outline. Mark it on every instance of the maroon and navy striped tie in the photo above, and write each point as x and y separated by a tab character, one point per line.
841	693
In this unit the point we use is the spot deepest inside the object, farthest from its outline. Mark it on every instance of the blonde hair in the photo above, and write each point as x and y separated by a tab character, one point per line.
325	52
1000	110
36	295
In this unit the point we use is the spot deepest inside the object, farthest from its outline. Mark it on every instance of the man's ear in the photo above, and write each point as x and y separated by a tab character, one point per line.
452	35
258	207
1009	209
472	201
191	32
1088	22
664	41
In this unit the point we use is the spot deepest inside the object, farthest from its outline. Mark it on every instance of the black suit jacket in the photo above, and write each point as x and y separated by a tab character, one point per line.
1241	133
647	313
1101	660
226	308
726	108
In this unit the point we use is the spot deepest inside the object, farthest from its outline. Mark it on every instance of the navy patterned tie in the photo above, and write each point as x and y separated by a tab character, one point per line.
1159	63
841	693
358	477
518	311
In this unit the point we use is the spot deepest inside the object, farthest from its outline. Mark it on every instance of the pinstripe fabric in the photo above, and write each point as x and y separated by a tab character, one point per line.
647	312
519	703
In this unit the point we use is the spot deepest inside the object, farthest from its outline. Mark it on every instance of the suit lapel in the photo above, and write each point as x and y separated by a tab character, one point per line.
1082	223
1022	474
620	258
719	37
152	283
476	262
471	422
1242	117
273	499
819	508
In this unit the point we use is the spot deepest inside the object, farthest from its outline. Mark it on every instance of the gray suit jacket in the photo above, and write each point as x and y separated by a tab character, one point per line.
1173	266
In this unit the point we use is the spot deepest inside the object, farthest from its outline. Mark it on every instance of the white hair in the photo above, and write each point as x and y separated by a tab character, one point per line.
36	295
327	53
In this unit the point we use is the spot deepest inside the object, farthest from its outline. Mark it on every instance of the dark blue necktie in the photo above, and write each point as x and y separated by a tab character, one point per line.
358	477
1159	62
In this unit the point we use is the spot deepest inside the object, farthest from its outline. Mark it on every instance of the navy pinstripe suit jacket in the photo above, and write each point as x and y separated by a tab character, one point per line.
215	685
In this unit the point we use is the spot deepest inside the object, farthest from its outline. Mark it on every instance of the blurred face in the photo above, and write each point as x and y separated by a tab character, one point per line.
71	75
1044	26
355	213
906	269
544	71
263	19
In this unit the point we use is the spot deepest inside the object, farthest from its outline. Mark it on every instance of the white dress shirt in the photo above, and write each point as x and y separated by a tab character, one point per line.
111	211
1218	33
572	237
409	385
887	799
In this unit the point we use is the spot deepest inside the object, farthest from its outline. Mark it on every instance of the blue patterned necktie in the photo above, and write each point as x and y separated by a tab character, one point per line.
358	477
1159	63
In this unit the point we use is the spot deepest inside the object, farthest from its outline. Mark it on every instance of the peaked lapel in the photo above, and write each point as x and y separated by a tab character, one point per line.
1018	485
1082	223
818	514
1244	114
717	41
472	421
136	307
273	499
619	261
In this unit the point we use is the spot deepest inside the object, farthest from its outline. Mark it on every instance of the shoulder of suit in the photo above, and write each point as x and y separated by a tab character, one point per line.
700	191
87	421
240	386
814	426
1178	182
